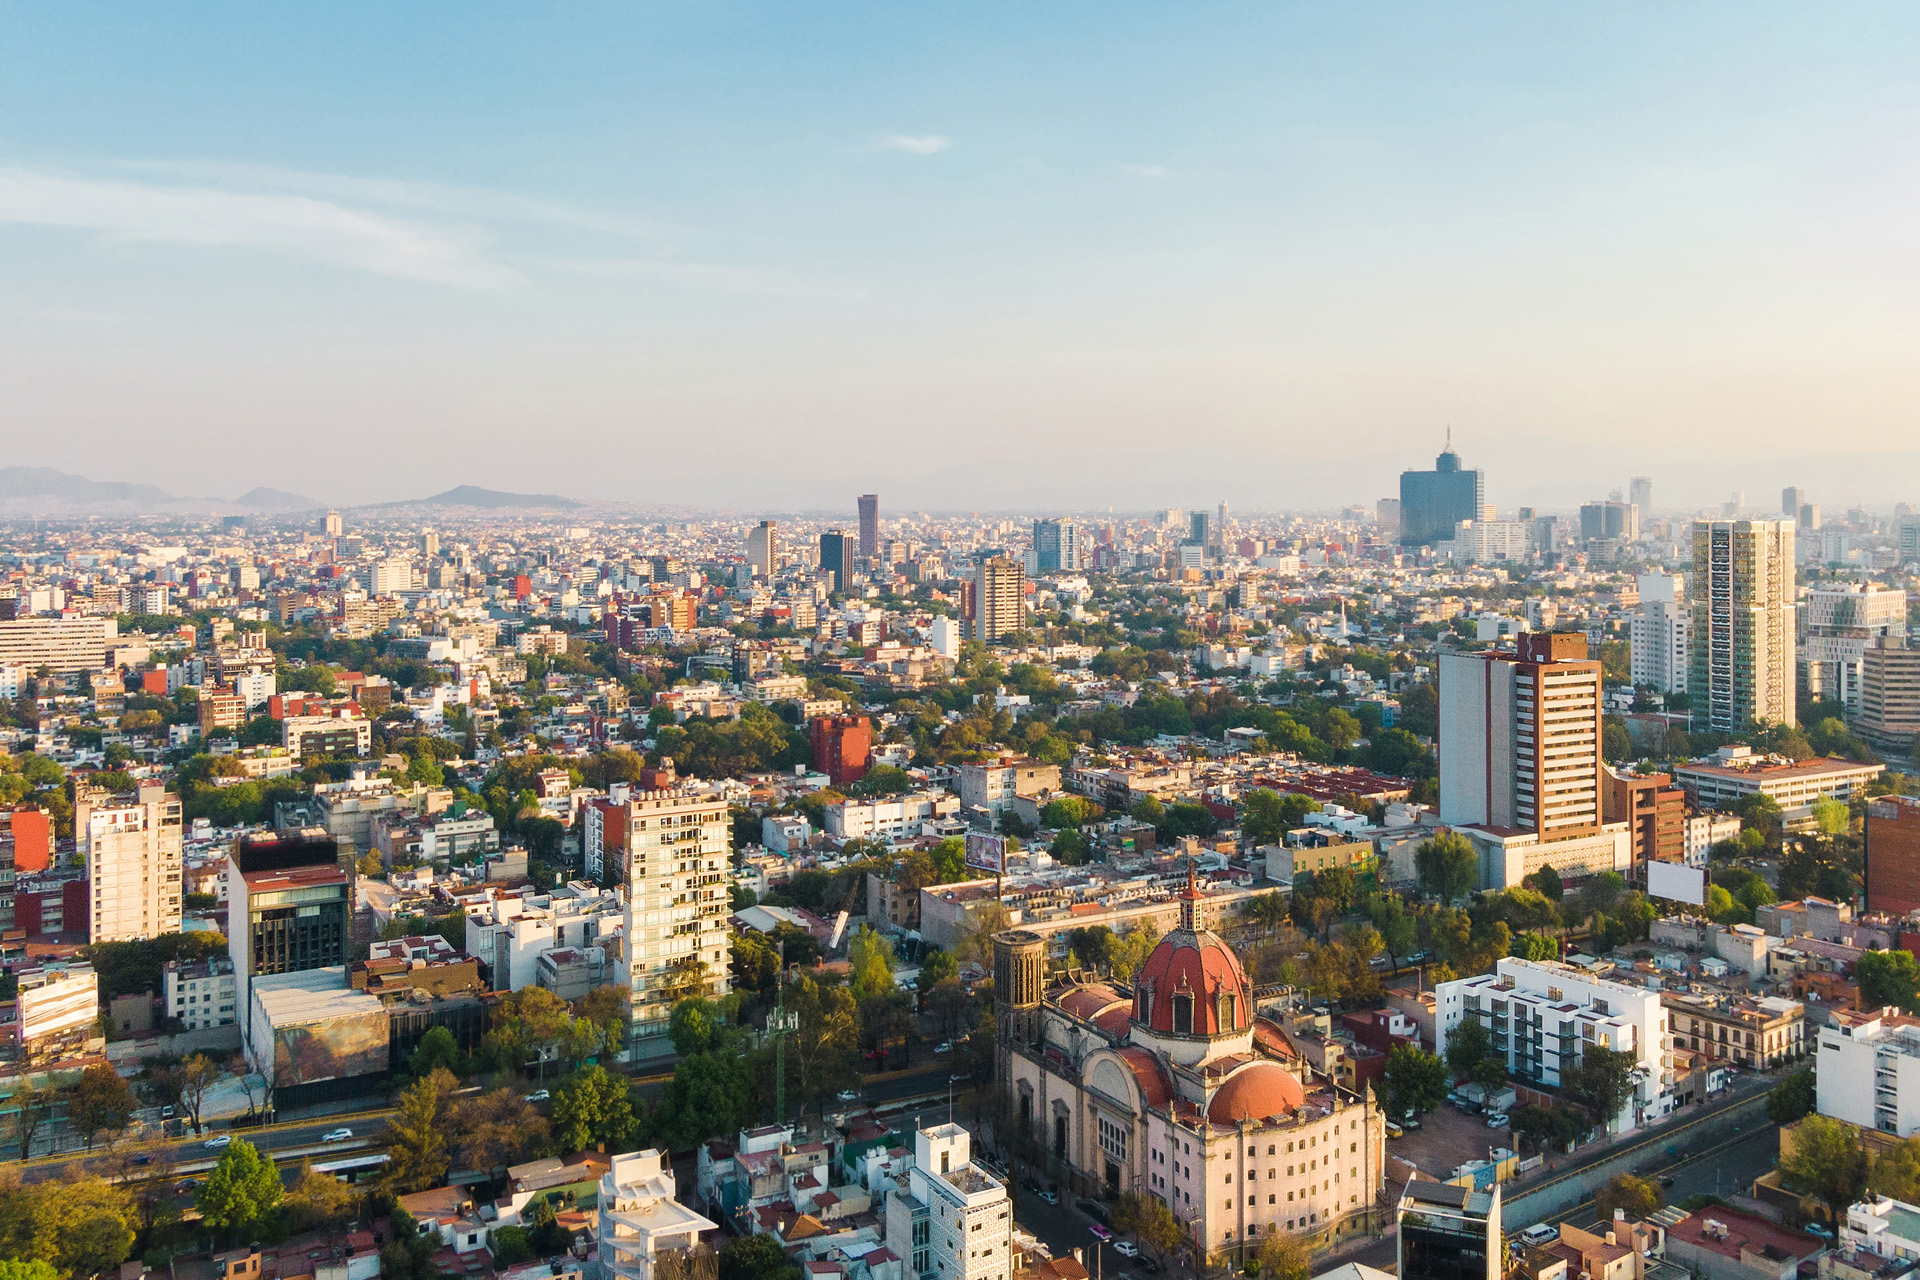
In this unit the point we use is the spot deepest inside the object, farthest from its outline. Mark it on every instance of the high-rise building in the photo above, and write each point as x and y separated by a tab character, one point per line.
429	543
842	747
1520	736
62	645
1640	494
1433	502
869	525
1790	500
1448	1232
1892	842
954	1218
1742	589
671	848
334	526
763	549
1654	810
132	846
1199	529
999	598
1386	513
1659	633
1809	517
836	558
289	904
1838	624
1889	696
1056	545
1609	520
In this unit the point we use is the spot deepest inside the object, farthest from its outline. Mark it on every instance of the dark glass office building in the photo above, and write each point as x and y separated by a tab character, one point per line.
1432	502
1449	1233
836	557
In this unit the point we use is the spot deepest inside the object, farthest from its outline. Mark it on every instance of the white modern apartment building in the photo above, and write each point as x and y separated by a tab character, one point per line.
1867	1071
889	817
671	852
201	994
63	645
955	1220
1838	624
1660	633
133	851
509	935
1543	1017
640	1219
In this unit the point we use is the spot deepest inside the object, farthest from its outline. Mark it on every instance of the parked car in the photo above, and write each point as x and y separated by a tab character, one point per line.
1048	1196
945	1046
847	1095
1409	1123
1540	1233
539	1095
337	1135
1395	1131
143	1158
1815	1229
217	1141
1498	1120
1126	1248
1099	1232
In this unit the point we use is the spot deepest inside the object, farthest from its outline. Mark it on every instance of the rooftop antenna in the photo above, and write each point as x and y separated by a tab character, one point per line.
1449	437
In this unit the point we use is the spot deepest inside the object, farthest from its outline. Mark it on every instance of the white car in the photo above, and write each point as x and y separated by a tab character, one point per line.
538	1095
1126	1248
217	1141
847	1095
337	1135
945	1046
1498	1120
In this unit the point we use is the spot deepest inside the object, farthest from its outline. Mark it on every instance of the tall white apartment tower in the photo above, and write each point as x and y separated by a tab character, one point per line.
671	852
763	549
1660	633
1742	668
954	1219
333	524
132	845
999	598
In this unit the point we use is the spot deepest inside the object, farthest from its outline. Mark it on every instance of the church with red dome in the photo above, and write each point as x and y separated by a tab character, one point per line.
1175	1086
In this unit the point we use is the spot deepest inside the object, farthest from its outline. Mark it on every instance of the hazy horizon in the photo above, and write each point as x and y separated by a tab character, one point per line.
984	258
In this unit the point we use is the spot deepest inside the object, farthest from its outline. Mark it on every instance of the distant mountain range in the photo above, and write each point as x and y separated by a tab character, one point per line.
45	491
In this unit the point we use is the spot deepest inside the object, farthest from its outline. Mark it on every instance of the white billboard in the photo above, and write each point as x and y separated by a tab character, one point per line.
1677	881
986	853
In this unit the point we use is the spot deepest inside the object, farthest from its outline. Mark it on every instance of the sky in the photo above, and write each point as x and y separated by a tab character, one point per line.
982	256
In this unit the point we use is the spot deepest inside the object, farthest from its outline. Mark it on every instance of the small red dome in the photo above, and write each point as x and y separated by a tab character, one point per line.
1260	1091
1192	984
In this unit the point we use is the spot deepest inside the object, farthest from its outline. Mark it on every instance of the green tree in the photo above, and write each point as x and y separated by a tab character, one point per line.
28	1269
1832	816
1150	1221
81	1226
1468	1045
1416	1081
437	1051
1547	883
1602	1082
416	1136
1283	1257
1130	950
318	1201
711	1094
1398	930
1447	866
1888	978
593	1109
870	958
101	1102
1895	1172
1826	1162
1791	1099
241	1191
756	1257
1639	1197
937	966
1534	946
695	1025
510	1247
1616	744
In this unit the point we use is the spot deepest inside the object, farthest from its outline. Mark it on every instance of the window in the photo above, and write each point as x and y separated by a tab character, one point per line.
1182	1013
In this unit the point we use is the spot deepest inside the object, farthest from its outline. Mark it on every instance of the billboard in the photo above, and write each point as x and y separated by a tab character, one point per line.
336	1049
986	853
1677	881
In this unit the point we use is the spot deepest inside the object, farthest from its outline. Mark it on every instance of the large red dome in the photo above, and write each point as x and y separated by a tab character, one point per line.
1192	985
1262	1090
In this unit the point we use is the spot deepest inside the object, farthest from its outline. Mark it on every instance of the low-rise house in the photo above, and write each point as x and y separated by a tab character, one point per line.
1729	1244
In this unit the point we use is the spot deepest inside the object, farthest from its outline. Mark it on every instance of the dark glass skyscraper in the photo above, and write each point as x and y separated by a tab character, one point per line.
1056	545
1432	502
869	525
836	557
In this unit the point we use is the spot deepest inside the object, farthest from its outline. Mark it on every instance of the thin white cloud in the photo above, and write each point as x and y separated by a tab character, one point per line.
925	144
299	226
709	275
1156	171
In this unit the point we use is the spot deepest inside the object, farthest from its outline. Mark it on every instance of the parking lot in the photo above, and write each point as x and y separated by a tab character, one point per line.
1447	1138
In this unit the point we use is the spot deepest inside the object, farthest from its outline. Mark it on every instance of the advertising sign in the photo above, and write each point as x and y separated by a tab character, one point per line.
986	853
1677	882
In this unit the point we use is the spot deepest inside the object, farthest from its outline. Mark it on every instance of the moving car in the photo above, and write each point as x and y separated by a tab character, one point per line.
945	1046
1126	1248
1048	1196
337	1135
538	1095
217	1141
847	1095
1099	1232
1815	1229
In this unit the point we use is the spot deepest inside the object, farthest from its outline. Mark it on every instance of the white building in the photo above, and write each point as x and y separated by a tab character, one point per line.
200	994
1867	1071
58	1006
1838	624
254	687
133	849
944	636
888	817
640	1219
509	935
1705	830
1484	541
672	852
61	644
1661	633
955	1220
1884	1227
1549	1014
391	577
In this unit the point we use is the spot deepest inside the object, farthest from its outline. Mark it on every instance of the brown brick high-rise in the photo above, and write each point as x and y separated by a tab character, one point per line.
1893	854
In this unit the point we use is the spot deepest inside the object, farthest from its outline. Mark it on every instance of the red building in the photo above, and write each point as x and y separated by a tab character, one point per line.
842	747
32	840
1893	854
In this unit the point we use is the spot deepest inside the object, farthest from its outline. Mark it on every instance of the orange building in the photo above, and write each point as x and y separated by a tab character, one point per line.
1893	854
842	747
1656	810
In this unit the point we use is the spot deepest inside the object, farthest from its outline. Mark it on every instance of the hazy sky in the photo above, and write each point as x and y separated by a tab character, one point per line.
989	256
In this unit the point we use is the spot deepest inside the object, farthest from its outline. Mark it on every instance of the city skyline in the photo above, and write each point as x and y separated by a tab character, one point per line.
638	257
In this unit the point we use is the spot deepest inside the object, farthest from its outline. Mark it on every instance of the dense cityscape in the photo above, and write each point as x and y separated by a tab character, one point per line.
503	886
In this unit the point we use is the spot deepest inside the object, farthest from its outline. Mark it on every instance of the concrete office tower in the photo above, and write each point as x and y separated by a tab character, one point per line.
1386	513
1520	737
1837	627
333	524
429	543
999	598
672	849
1889	697
1790	500
1659	633
763	549
1057	546
869	525
132	846
1742	669
1640	494
1449	1233
1433	502
836	557
62	645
